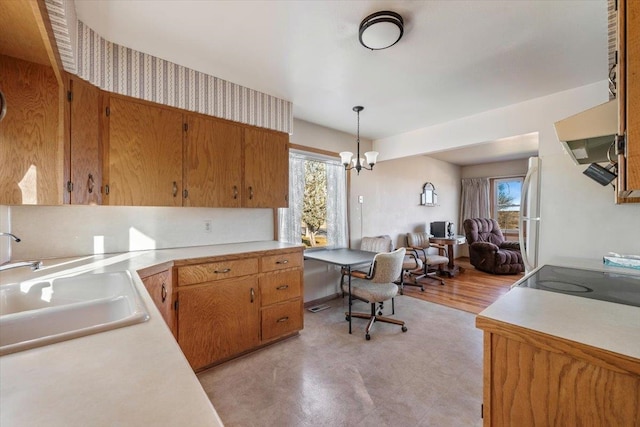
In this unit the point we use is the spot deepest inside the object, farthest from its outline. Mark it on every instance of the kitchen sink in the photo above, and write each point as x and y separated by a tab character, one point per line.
37	313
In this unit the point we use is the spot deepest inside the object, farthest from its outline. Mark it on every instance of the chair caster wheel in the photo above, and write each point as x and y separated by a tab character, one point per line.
404	329
347	318
367	337
379	312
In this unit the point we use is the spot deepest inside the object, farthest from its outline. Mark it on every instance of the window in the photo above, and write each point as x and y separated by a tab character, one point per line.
317	212
506	202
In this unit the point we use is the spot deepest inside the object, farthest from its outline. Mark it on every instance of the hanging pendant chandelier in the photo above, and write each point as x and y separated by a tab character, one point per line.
358	163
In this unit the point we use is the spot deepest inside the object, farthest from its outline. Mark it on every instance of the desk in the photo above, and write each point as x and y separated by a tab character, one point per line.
449	242
345	258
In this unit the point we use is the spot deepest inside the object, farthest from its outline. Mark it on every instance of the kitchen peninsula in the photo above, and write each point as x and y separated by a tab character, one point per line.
135	375
555	359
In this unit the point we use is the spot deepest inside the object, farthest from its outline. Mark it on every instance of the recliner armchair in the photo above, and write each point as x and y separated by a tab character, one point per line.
489	251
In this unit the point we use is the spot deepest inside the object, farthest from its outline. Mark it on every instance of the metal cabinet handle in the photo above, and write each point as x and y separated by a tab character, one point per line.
282	287
90	183
250	193
175	188
164	293
253	295
235	191
226	270
284	261
282	319
3	106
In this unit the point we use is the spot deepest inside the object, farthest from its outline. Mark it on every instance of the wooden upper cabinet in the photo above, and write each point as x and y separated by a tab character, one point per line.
143	159
212	162
632	86
85	143
31	143
266	168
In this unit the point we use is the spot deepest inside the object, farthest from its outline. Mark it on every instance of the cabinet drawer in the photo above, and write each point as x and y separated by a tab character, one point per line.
281	319
200	273
281	261
279	287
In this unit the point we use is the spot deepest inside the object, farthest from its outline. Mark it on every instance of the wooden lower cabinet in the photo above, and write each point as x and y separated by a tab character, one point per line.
230	305
160	288
218	320
533	379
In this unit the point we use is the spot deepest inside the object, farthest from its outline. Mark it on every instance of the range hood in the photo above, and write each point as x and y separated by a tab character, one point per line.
589	135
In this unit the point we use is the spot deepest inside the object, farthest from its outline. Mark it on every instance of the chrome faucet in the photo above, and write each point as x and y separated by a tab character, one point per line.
33	264
13	236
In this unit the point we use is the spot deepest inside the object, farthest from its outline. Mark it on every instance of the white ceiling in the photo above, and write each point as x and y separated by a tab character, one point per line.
456	58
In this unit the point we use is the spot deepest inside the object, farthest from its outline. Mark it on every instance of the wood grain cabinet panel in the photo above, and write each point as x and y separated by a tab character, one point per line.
281	319
160	288
632	44
217	270
31	143
228	306
281	261
212	163
266	168
85	143
534	379
144	154
218	320
278	287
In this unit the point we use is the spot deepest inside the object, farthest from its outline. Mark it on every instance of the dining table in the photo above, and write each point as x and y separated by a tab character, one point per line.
345	258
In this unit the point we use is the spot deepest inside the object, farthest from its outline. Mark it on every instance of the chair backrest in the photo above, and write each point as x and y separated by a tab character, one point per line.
376	244
387	266
483	230
418	240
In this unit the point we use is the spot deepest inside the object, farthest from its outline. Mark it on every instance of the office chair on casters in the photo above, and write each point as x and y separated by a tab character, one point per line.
419	242
371	244
376	288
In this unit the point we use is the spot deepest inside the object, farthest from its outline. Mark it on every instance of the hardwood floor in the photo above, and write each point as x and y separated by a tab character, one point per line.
471	290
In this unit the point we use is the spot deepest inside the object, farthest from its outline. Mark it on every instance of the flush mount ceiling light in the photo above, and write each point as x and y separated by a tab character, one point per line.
358	164
381	30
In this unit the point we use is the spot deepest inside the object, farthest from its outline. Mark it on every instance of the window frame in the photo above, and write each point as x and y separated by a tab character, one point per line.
495	182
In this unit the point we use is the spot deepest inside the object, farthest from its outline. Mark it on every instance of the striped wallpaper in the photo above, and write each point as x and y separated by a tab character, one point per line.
128	72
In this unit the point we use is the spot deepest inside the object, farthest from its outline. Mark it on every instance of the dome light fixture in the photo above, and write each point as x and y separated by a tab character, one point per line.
381	30
358	163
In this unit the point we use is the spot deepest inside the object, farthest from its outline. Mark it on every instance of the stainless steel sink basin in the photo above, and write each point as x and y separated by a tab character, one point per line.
38	313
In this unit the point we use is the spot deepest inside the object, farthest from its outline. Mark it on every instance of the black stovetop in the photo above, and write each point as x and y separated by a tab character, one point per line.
600	285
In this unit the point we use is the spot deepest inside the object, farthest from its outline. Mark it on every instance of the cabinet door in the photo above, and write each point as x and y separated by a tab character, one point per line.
632	44
213	163
144	164
218	320
266	168
30	145
86	158
160	288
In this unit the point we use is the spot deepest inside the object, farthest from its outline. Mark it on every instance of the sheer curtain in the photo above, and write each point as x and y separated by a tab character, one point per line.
290	219
337	229
475	201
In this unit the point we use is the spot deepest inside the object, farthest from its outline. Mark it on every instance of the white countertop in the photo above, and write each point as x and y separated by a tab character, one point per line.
601	324
135	375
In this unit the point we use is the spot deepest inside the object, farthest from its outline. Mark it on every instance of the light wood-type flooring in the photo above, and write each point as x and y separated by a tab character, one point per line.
471	290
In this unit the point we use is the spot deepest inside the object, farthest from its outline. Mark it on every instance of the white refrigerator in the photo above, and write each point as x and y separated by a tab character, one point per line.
529	226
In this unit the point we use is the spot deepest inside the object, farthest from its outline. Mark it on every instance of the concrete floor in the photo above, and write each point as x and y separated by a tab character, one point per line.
428	376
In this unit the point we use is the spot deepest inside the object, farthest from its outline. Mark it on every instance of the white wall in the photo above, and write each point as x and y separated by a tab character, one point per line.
579	217
324	138
69	230
391	195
